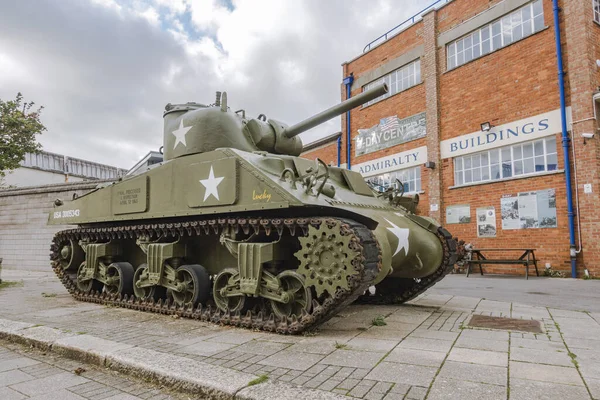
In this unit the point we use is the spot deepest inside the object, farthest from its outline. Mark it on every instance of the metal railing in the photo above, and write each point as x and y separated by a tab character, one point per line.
403	26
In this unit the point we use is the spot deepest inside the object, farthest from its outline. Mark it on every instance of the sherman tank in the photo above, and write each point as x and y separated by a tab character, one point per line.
233	227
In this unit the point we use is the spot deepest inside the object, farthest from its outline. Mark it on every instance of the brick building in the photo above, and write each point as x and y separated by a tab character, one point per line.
473	123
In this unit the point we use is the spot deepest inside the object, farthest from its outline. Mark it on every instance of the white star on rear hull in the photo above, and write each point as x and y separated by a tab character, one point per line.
211	184
402	235
180	134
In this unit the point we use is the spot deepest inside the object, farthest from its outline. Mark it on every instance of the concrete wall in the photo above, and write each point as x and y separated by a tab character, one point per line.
22	177
24	237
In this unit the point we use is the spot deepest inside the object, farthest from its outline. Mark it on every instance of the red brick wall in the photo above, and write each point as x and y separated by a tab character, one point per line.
327	153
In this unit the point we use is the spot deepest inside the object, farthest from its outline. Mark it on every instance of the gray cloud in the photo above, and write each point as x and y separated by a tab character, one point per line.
104	76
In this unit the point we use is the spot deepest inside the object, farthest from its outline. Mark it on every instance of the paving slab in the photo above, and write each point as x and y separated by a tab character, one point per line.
544	345
402	373
262	347
482	344
15	363
416	357
474	373
11	377
352	358
552	357
479	357
544	373
416	343
274	390
521	389
292	360
206	348
8	326
9	394
50	384
444	388
58	395
373	345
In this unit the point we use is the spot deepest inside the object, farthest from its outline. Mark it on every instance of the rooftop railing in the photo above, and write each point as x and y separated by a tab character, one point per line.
404	25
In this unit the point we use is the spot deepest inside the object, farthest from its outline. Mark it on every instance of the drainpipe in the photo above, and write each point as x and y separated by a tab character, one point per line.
339	150
565	139
348	82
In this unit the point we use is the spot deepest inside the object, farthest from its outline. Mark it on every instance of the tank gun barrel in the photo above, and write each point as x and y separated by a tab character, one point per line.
336	110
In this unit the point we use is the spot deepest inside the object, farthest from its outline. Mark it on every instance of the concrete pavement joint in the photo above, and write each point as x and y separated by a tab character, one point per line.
575	363
442	365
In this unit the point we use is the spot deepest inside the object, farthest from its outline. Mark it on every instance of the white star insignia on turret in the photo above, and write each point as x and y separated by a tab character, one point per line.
211	184
180	134
402	235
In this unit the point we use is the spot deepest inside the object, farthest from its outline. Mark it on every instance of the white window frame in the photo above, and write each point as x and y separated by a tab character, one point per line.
511	162
399	80
596	10
496	35
412	184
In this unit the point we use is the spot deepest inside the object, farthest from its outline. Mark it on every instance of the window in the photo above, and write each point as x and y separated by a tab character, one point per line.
410	178
513	27
596	5
397	81
527	158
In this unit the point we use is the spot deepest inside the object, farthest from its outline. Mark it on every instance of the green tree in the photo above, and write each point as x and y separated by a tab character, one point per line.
19	123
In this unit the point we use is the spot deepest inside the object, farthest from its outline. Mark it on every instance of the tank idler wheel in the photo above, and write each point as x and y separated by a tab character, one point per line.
193	283
91	285
119	279
71	255
147	292
225	278
300	297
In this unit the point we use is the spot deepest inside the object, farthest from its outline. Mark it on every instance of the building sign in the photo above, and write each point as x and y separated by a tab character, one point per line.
389	132
546	124
529	210
397	161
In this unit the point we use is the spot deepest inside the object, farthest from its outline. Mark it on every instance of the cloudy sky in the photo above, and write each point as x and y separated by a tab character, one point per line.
104	69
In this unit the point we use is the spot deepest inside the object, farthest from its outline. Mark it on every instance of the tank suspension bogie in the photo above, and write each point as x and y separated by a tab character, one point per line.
275	296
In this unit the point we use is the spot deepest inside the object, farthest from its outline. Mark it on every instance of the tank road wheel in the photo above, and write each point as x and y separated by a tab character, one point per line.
147	292
225	278
70	255
325	258
90	285
119	278
193	283
300	297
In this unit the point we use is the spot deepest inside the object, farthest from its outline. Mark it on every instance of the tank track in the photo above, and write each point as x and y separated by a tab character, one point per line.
400	290
367	263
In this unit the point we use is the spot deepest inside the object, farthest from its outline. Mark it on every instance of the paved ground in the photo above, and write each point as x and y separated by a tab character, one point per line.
35	375
425	350
566	294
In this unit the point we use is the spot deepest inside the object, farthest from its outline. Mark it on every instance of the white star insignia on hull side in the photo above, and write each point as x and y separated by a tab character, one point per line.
211	184
402	236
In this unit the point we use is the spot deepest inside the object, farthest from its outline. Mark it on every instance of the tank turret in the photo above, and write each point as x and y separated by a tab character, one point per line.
196	128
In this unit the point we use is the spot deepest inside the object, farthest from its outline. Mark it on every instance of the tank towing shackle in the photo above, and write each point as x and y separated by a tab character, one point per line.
336	110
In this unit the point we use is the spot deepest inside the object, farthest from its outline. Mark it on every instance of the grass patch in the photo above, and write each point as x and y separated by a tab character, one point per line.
259	380
573	359
340	345
379	321
48	294
7	284
81	333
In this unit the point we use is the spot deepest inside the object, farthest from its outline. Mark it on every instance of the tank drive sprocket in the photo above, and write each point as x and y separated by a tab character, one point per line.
325	257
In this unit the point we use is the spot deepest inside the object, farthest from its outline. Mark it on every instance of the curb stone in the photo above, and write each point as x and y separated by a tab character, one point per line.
177	372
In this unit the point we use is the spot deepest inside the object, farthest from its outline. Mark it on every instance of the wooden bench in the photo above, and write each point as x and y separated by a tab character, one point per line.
526	259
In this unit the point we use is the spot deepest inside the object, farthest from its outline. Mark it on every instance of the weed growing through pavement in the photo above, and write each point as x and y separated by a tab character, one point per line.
6	284
258	380
379	321
340	345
